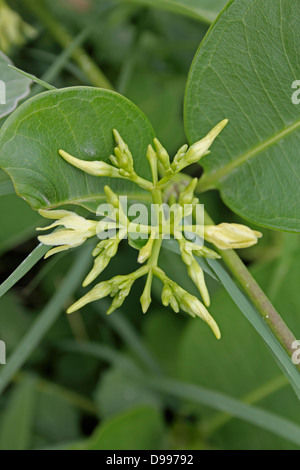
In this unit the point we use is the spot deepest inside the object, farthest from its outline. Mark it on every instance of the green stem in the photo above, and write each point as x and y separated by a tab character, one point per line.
258	297
62	37
153	260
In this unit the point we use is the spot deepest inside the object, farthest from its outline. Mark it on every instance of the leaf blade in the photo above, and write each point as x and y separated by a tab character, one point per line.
79	120
254	162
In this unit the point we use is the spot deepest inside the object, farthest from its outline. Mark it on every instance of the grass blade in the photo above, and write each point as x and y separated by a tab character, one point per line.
23	269
46	319
34	79
249	311
218	401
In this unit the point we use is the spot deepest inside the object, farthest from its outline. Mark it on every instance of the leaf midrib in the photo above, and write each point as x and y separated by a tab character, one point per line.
209	181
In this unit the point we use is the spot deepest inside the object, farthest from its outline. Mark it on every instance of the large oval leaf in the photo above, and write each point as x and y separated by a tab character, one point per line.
79	120
244	71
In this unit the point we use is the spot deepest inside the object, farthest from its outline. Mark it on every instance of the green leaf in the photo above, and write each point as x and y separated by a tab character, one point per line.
16	86
203	10
17	418
138	429
80	121
116	393
244	71
56	419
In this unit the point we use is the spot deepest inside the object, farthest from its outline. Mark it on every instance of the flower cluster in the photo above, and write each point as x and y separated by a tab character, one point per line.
71	230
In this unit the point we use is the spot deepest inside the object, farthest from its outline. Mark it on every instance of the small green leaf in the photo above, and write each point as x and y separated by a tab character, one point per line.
80	121
244	71
138	429
14	86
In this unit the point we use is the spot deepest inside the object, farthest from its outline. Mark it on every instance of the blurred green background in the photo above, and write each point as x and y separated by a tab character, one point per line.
84	386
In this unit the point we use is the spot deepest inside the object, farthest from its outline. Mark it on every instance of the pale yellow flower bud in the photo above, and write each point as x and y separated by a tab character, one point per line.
162	154
200	148
194	307
146	251
146	295
196	274
226	236
77	230
119	141
111	197
187	196
98	292
95	168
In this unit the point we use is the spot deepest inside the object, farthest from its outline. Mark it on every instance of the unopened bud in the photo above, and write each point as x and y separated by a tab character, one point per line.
146	295
226	236
187	196
162	154
119	141
95	168
146	251
200	148
196	274
98	292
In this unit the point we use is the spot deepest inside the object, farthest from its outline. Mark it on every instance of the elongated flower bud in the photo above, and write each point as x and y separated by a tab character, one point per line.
194	307
146	251
200	148
119	141
146	295
196	274
187	196
162	154
98	292
226	236
111	197
95	168
123	157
